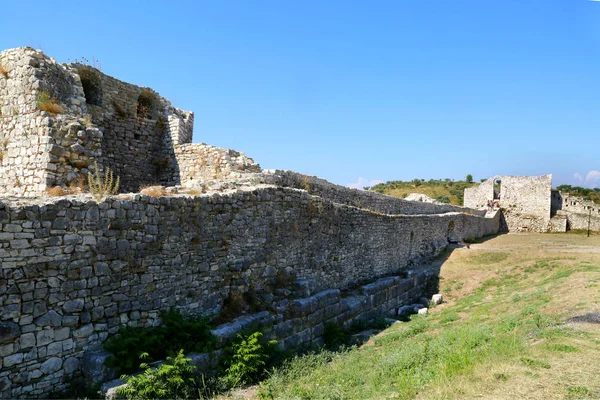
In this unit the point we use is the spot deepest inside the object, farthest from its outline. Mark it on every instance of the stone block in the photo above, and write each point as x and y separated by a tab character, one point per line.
9	331
94	367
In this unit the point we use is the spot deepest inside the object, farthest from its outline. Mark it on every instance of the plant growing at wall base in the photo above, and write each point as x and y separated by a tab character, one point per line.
245	359
103	185
190	333
172	380
46	102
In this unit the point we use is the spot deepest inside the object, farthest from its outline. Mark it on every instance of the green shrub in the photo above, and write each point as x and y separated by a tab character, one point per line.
443	199
245	359
334	336
172	380
191	333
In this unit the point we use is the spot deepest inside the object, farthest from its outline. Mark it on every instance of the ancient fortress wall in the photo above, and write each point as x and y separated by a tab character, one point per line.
478	196
140	129
195	164
358	198
580	213
74	271
525	201
128	128
28	152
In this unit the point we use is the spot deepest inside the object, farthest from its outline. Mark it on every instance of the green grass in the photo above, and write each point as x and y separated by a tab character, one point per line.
392	367
507	320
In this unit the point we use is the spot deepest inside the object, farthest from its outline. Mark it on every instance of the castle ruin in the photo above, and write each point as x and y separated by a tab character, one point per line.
300	251
530	204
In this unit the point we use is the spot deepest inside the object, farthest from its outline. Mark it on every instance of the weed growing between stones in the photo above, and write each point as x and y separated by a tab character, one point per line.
101	186
46	102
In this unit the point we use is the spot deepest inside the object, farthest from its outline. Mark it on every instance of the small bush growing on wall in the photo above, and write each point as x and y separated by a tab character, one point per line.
103	185
119	110
145	103
47	103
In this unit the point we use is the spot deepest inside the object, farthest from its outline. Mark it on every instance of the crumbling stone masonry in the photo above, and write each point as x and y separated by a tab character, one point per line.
131	129
529	204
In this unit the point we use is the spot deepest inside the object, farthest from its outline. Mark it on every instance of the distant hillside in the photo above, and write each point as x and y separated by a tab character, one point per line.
443	190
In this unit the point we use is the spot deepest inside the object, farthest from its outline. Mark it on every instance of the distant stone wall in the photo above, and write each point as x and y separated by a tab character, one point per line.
526	203
195	164
580	213
359	198
73	271
477	197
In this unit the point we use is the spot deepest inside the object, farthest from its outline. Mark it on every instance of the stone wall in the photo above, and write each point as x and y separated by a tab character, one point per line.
140	128
578	211
198	163
358	198
526	203
477	197
28	136
128	128
73	271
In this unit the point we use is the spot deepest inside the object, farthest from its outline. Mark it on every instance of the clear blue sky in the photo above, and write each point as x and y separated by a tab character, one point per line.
344	89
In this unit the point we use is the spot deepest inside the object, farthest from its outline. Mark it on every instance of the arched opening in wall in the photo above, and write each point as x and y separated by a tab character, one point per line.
497	188
146	103
450	234
92	86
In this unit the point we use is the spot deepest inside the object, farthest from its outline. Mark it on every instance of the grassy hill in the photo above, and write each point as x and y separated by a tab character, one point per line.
521	321
452	192
443	190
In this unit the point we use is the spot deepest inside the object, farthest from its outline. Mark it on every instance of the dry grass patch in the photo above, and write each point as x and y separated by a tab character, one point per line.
4	70
154	191
47	103
57	191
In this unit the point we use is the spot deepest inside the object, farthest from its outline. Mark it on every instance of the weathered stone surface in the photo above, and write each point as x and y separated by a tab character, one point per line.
9	331
437	299
51	318
94	367
51	365
71	365
72	306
